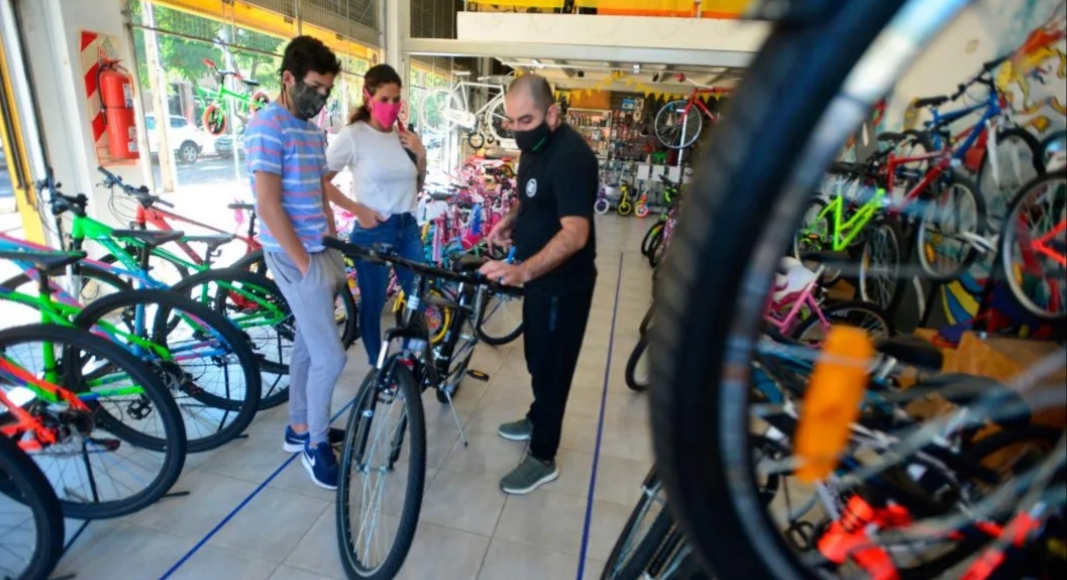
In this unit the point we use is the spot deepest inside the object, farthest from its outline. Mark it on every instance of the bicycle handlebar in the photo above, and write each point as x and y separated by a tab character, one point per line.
419	268
141	193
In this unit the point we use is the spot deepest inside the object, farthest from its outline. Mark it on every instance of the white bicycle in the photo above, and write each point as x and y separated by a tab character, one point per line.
443	110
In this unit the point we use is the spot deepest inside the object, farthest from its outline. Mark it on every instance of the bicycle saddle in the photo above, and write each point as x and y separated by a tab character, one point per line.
150	238
242	206
827	257
468	263
440	196
212	240
911	350
931	101
249	82
47	262
891	137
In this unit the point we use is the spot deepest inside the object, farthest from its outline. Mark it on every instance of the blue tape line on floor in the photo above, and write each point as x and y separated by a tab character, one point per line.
599	431
241	506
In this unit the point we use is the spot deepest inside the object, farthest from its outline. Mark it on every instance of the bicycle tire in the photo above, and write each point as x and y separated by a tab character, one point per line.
653	232
602	206
243	407
22	481
971	254
647	320
272	343
650	546
451	101
172	444
1006	249
88	272
497	339
415	420
639	352
494	115
991	191
886	300
625	207
745	173
648	487
835	313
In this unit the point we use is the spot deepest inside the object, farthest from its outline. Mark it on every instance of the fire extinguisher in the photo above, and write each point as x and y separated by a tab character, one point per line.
116	101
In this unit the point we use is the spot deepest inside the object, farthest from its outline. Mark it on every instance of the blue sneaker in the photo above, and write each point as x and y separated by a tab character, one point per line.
321	465
295	443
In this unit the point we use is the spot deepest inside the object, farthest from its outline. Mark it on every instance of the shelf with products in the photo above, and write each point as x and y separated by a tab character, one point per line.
595	126
631	135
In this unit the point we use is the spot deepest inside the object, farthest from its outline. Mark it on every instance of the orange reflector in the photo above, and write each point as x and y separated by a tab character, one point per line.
832	401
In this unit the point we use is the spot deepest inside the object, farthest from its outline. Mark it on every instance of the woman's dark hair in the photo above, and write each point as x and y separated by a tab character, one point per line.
375	77
304	54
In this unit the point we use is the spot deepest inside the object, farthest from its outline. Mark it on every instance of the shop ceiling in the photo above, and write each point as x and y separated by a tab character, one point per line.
582	74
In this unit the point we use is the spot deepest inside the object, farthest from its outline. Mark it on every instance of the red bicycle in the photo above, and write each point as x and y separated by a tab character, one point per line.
675	127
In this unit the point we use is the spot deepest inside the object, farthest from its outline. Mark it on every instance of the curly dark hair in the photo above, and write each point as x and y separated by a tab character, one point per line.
304	54
376	76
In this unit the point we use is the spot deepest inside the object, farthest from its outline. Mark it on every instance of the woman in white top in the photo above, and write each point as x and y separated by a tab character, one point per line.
388	165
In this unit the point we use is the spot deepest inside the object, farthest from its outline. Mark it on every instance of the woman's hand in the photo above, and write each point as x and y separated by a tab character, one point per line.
411	142
367	217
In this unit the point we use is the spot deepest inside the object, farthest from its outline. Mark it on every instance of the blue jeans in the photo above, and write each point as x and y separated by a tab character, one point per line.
401	231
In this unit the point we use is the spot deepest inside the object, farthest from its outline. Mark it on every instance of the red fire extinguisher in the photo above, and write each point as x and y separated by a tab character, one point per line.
116	100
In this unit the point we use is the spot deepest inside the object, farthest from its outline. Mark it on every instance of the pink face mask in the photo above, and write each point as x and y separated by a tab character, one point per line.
385	113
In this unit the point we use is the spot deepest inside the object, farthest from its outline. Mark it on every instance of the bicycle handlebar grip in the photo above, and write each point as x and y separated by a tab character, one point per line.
989	66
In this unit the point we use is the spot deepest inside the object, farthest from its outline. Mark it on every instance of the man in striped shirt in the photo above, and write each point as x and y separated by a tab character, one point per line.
287	162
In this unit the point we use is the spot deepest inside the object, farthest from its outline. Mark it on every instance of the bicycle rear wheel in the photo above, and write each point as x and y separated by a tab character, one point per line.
205	361
120	454
376	451
756	181
501	321
27	501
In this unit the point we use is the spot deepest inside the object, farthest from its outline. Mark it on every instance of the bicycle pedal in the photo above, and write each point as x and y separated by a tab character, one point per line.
477	375
176	494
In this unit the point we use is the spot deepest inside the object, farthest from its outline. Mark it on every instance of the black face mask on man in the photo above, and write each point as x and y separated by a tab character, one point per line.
306	100
531	140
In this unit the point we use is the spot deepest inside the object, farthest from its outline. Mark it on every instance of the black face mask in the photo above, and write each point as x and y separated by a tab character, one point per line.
306	100
531	140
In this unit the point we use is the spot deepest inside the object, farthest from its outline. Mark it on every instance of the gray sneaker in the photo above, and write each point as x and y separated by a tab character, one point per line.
520	430
531	474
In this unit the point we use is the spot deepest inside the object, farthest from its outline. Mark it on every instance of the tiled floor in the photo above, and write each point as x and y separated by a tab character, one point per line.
252	514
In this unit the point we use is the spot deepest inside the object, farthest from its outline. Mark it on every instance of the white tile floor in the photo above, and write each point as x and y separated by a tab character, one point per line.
252	514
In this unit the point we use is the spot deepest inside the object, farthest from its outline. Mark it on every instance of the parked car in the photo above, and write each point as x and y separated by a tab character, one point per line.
224	145
188	141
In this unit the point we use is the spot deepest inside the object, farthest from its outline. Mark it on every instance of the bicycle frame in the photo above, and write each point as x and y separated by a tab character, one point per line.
693	100
993	108
159	218
806	298
853	225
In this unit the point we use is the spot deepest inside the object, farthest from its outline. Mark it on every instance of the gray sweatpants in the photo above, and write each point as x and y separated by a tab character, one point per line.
318	356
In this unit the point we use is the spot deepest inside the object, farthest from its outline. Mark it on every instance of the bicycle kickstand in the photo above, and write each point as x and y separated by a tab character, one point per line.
455	417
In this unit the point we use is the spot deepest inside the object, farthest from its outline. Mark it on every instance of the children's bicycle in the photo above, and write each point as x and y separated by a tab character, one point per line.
245	103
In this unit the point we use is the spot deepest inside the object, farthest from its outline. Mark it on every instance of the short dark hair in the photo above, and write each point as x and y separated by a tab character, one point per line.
537	86
304	54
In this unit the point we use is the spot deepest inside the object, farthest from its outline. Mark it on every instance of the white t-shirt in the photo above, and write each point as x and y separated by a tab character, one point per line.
384	178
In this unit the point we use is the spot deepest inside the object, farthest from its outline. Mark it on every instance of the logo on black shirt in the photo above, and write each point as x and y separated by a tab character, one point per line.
531	188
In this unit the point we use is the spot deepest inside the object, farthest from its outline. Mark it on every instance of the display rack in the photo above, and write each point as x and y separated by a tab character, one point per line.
595	126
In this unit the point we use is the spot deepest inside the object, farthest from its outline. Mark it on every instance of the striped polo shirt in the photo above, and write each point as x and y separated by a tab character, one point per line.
277	142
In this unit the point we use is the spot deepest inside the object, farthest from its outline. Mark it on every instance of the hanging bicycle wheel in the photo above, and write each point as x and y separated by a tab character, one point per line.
678	124
1033	246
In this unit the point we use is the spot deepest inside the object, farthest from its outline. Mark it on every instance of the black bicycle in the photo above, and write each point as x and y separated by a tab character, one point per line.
374	529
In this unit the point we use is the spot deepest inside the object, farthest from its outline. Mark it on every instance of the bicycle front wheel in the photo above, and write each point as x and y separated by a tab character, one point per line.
1033	266
384	453
738	220
951	218
31	517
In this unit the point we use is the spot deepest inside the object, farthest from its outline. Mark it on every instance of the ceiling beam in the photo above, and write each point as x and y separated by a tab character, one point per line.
676	56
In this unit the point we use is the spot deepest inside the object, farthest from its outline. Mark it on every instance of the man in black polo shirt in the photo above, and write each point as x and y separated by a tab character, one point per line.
555	245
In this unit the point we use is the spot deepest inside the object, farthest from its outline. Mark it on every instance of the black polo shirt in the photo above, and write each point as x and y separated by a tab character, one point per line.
560	180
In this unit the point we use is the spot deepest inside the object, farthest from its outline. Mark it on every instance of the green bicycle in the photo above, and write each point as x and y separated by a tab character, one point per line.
245	103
